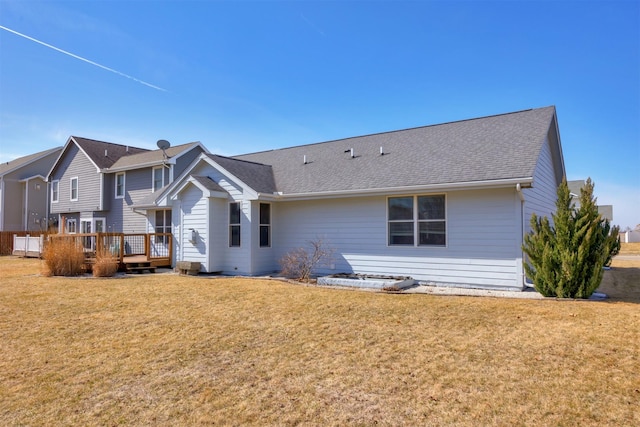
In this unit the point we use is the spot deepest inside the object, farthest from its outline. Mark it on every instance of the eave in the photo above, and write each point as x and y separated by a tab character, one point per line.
525	182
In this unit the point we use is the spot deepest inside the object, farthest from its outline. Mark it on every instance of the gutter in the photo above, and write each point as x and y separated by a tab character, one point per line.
525	182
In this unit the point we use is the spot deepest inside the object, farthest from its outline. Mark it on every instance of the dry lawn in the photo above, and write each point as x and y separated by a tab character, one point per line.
170	350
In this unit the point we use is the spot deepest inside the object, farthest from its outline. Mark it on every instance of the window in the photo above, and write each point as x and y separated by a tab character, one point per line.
234	224
421	216
265	225
163	225
74	189
71	226
120	185
158	178
55	191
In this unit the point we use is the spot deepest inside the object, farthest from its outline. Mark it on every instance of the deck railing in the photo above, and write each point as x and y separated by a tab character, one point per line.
154	246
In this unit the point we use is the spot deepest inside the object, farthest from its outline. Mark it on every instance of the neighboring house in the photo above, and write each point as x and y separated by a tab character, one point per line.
446	204
23	192
574	188
94	184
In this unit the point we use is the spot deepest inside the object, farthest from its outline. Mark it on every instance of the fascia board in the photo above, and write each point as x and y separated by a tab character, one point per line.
524	182
32	177
64	149
44	154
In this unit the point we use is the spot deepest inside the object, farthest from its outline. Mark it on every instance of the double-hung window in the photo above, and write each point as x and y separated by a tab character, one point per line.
74	189
158	178
265	225
120	185
234	224
55	191
417	221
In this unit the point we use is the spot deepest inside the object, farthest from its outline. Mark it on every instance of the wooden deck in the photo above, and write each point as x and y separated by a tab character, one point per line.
135	252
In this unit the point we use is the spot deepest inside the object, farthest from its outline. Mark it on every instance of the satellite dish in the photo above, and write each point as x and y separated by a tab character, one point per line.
163	144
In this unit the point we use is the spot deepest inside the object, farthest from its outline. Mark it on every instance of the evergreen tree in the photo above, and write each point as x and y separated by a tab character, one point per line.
566	258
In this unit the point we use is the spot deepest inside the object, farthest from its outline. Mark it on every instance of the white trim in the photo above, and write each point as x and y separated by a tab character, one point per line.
260	224
1	203
57	182
71	189
115	184
153	178
75	225
416	221
235	224
525	182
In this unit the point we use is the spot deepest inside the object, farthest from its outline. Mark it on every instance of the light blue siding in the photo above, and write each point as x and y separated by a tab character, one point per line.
481	246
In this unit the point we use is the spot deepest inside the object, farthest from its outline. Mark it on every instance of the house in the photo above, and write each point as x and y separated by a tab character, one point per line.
23	192
575	187
446	204
95	184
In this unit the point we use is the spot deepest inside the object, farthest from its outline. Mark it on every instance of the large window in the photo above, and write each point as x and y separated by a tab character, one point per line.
74	189
163	225
417	221
55	191
234	224
158	178
265	225
120	185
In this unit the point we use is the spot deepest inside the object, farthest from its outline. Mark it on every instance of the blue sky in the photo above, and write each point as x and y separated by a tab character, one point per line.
250	76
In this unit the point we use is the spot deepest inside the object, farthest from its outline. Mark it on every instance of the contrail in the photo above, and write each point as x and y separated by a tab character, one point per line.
82	59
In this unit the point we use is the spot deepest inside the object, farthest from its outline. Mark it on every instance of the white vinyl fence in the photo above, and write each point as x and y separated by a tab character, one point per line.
28	246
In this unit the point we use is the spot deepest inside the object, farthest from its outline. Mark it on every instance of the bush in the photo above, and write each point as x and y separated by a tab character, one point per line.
106	264
300	262
63	257
566	259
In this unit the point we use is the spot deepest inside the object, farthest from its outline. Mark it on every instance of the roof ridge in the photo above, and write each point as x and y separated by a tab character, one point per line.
238	160
395	131
110	143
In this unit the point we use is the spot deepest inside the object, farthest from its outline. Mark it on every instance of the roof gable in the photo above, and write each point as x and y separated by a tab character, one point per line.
493	148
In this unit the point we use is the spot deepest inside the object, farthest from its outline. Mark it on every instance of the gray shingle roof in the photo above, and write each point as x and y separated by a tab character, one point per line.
208	183
504	146
22	161
96	151
255	175
149	157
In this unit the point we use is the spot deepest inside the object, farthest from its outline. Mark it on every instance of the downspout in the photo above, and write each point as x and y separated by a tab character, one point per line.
523	277
2	196
26	205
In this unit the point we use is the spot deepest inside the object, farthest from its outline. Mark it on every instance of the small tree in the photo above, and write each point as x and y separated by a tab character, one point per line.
301	262
566	259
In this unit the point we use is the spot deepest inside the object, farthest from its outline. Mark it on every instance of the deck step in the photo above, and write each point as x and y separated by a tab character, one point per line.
140	267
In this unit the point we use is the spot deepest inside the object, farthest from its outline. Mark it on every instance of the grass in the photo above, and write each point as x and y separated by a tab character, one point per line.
630	248
172	350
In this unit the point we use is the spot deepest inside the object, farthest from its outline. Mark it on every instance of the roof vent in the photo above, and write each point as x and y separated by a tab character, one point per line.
350	150
105	152
304	159
381	151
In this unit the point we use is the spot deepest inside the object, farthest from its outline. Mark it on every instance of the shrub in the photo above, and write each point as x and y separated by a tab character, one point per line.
63	257
106	264
566	259
300	262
